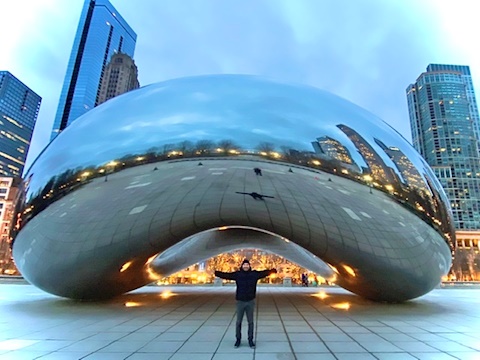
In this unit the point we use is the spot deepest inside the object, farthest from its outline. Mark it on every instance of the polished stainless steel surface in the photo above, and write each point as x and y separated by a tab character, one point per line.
175	160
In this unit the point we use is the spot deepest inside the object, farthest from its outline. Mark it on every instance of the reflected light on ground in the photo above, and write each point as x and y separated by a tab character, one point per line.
341	306
132	304
166	294
321	295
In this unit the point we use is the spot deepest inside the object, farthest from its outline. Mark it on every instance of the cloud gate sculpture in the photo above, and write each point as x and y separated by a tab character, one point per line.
176	172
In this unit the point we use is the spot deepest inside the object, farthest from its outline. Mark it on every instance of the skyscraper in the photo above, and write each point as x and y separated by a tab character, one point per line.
19	107
121	75
101	32
467	78
442	120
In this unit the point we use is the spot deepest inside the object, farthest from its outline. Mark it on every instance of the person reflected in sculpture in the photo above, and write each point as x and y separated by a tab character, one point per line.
255	195
257	171
246	280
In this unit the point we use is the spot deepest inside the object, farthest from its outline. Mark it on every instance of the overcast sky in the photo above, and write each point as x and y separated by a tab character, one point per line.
367	51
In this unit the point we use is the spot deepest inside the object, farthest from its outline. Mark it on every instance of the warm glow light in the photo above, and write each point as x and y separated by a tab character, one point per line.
275	154
223	228
341	306
349	270
420	207
86	173
321	295
315	162
125	266
132	304
333	268
112	163
332	279
368	178
166	294
389	187
152	275
150	259
140	158
263	153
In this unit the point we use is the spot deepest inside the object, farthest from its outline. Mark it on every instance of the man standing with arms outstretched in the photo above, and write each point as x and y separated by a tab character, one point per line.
246	280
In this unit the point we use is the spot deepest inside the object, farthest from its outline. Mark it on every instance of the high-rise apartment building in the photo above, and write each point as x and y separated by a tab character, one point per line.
467	78
121	75
442	120
19	107
101	32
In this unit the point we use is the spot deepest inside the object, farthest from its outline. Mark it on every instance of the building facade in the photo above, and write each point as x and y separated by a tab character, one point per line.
121	75
8	194
101	32
467	79
443	132
19	107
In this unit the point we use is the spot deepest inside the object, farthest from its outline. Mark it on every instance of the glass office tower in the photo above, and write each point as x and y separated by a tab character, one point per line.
19	107
442	121
101	32
467	79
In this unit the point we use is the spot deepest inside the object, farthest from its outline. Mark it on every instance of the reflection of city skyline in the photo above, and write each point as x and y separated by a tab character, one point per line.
333	149
377	167
410	175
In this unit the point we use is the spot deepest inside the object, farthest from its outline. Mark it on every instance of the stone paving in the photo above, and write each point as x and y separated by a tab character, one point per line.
197	322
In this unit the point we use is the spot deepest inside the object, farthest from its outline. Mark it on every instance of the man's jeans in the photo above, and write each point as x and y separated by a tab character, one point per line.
245	307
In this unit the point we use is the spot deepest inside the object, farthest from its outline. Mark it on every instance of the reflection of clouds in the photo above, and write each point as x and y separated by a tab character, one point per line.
199	96
178	119
152	90
137	124
260	131
196	134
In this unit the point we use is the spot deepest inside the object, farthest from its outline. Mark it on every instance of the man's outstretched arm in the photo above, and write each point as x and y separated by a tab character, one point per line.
265	273
226	275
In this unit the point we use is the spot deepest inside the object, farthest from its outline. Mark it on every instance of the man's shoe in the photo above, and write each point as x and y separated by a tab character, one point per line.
251	344
237	343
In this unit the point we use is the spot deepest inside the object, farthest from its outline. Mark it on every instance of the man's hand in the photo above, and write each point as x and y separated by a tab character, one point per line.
274	271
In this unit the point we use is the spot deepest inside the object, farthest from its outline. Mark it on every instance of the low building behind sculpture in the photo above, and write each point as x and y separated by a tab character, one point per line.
8	194
121	76
466	265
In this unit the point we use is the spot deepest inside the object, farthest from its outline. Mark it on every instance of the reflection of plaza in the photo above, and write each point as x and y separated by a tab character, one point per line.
203	272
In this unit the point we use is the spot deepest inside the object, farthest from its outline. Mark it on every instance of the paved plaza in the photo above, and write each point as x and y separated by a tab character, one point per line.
198	322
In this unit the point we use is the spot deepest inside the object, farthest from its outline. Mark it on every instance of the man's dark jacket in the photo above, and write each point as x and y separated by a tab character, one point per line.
246	282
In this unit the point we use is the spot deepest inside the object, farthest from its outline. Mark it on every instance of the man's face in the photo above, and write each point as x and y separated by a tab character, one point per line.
246	266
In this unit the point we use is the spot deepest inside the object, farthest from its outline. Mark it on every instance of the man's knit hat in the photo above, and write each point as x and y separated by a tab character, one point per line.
245	262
